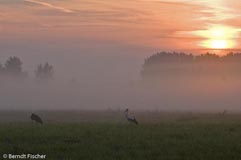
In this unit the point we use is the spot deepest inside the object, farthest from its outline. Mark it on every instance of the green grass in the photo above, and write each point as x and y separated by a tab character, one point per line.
97	141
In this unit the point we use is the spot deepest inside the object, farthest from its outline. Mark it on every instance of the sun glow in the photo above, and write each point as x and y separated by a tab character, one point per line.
219	32
218	37
219	44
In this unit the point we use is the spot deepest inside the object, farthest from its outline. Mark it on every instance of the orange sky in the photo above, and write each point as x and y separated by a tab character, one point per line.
160	24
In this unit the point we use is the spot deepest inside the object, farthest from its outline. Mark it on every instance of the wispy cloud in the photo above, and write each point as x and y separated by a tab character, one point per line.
49	5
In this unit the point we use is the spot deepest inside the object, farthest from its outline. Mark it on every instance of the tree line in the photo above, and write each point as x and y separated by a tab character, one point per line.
189	64
13	68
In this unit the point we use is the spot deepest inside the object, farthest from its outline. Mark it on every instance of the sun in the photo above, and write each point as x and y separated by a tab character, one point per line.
218	37
218	44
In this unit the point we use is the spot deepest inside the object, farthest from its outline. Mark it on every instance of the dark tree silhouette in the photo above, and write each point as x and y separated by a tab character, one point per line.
181	64
44	71
13	67
231	57
208	57
1	69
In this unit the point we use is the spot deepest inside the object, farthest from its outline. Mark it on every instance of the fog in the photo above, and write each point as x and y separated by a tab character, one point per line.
107	76
180	96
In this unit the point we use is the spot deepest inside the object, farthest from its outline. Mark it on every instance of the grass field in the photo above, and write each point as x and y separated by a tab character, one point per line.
196	137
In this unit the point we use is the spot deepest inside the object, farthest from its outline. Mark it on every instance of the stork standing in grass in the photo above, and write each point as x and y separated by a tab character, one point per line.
129	118
36	118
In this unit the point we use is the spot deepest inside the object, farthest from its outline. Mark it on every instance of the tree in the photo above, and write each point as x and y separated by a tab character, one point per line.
13	64
165	64
13	67
1	69
44	71
208	57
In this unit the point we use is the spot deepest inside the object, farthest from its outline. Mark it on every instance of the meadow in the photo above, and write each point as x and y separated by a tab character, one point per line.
165	136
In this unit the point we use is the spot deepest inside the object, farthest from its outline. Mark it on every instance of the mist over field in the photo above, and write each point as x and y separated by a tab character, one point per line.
107	81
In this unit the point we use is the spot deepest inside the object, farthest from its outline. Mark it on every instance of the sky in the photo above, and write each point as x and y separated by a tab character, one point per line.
159	24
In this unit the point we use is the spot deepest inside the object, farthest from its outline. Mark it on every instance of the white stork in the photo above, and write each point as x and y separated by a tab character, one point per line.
129	118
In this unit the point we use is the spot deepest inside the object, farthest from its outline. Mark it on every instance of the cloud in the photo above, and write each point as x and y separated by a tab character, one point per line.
45	4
